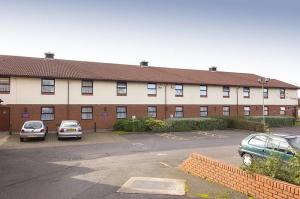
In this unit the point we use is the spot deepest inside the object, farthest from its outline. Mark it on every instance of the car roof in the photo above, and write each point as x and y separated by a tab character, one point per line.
64	121
278	135
33	121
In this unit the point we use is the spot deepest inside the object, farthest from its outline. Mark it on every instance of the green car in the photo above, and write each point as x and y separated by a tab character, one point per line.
263	145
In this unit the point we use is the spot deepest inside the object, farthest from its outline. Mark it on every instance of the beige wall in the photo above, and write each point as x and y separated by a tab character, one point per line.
28	91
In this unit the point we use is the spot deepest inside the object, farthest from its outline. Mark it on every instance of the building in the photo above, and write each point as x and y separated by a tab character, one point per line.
98	94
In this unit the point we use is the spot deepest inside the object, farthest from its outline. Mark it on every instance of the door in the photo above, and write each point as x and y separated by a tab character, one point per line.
4	119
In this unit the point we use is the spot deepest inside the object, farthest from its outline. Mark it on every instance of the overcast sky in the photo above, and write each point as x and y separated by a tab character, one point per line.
253	36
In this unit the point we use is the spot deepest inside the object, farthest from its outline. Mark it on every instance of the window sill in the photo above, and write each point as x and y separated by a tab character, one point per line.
121	94
203	96
178	95
152	95
226	96
48	93
88	94
4	92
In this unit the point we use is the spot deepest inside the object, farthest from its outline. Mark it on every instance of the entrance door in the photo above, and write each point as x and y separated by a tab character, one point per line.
4	118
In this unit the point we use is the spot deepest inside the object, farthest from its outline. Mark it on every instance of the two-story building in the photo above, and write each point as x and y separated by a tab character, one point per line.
98	94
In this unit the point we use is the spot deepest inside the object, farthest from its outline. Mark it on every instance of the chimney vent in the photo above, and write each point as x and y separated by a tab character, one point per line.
213	69
143	63
49	55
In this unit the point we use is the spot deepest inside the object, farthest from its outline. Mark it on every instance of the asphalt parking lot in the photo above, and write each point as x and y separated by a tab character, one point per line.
98	165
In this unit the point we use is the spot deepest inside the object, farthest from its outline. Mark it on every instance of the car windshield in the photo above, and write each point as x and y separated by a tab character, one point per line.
70	124
32	125
295	142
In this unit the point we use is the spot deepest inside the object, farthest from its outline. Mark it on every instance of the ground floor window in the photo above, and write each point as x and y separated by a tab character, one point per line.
203	111
266	110
47	113
226	110
282	110
246	110
121	112
152	111
86	113
179	111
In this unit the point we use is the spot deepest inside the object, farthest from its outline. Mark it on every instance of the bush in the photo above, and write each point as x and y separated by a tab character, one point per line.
190	124
275	167
246	125
129	125
274	121
155	125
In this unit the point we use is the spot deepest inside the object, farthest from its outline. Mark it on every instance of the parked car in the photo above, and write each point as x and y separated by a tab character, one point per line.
69	129
33	129
263	145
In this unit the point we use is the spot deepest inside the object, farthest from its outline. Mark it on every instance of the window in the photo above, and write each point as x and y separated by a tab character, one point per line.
282	93
226	91
203	111
178	90
246	92
152	111
266	92
47	113
4	85
266	110
86	113
179	111
278	144
246	110
48	86
87	87
226	110
282	110
151	89
203	91
121	112
121	88
259	141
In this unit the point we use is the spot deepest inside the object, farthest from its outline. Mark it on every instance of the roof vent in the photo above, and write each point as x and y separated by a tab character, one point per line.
49	55
213	69
143	63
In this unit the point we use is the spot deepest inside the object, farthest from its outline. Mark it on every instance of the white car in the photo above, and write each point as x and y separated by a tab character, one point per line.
33	129
69	129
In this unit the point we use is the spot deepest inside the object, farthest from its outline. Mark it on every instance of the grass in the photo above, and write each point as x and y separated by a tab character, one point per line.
121	132
297	123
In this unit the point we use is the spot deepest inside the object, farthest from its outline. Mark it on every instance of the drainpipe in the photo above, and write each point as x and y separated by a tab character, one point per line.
237	102
68	100
165	85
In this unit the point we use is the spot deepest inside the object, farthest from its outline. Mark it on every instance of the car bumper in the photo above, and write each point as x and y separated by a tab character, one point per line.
32	135
70	135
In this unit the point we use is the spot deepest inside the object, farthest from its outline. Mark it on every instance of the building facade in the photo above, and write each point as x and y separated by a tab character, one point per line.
98	94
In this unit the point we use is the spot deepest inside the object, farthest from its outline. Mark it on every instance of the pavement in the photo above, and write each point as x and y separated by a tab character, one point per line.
100	164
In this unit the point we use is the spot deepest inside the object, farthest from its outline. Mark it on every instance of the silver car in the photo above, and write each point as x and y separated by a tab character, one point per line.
33	129
69	129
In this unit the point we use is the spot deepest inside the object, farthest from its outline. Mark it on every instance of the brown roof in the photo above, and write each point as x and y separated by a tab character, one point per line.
67	69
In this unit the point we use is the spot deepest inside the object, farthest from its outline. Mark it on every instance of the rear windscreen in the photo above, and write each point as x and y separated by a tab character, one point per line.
70	124
33	125
295	142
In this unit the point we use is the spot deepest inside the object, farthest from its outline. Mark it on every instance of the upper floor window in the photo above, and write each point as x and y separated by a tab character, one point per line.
121	112
151	89
246	92
266	92
226	110
179	111
282	93
87	87
282	110
121	88
47	113
203	111
178	90
266	110
152	111
226	91
203	91
87	113
4	85
48	86
246	110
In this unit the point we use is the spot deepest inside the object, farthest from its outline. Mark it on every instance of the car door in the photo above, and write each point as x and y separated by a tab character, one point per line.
278	147
257	145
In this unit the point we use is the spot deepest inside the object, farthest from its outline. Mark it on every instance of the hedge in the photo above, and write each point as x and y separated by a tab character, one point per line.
275	121
246	125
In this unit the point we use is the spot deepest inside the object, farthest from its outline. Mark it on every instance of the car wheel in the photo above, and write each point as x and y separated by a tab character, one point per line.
21	139
247	159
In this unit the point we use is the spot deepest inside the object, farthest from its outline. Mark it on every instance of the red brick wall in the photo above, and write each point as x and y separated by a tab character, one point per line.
104	116
250	184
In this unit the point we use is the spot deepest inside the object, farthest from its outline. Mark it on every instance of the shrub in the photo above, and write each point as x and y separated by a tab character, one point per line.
155	125
129	125
190	124
246	125
275	167
274	121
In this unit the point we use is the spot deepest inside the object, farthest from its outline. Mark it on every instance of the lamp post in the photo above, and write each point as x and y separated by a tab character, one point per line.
263	81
